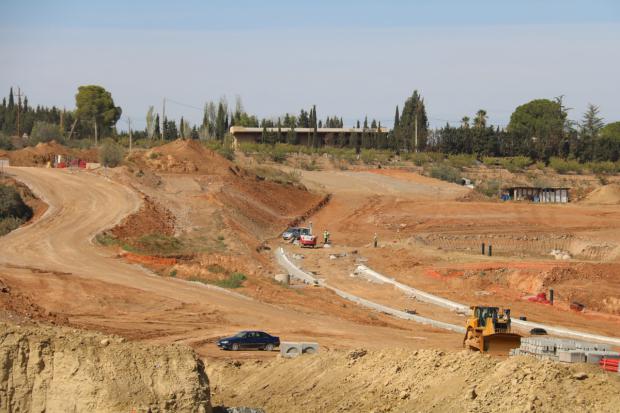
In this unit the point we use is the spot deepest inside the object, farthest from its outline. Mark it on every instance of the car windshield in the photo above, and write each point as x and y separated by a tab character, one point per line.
242	334
304	231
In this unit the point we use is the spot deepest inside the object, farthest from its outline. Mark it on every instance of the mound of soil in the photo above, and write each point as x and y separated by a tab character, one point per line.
43	153
186	156
152	218
608	194
37	155
420	381
64	370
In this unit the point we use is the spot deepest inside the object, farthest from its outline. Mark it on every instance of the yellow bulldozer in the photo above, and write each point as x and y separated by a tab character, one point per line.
488	330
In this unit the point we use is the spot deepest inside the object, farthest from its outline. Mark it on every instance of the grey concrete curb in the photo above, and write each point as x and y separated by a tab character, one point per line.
298	273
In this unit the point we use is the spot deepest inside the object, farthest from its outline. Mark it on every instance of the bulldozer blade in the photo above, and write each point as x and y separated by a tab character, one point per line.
501	343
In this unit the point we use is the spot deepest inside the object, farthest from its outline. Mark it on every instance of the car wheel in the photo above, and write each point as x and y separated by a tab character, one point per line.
234	347
269	347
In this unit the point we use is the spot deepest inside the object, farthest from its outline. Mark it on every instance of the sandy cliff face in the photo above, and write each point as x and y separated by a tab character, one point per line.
63	370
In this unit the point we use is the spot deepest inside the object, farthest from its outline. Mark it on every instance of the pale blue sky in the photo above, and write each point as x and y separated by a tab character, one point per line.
350	58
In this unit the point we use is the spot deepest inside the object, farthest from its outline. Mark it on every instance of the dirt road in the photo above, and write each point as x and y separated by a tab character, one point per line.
55	257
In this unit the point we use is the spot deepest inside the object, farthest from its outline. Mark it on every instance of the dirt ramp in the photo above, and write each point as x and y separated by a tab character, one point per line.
605	195
61	370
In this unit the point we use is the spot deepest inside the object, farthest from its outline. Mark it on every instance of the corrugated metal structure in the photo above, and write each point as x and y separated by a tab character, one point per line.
542	195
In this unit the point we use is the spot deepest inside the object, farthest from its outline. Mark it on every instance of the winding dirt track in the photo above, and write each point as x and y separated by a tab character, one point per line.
80	206
70	274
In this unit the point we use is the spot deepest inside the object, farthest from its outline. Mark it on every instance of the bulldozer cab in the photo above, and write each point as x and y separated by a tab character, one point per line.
484	313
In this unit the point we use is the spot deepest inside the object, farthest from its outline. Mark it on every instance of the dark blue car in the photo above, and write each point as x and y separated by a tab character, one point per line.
249	340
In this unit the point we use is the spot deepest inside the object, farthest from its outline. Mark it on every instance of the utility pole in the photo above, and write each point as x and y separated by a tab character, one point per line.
62	121
130	140
95	132
19	104
163	119
416	132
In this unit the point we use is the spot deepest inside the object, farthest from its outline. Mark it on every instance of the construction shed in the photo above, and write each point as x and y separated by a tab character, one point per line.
534	194
325	136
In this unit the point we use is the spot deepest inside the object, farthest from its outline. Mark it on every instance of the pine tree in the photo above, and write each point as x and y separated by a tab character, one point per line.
11	100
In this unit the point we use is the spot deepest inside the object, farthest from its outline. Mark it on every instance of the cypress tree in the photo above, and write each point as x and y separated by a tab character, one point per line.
11	101
157	128
396	118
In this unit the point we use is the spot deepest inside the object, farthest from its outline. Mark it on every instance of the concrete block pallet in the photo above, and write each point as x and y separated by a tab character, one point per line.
564	350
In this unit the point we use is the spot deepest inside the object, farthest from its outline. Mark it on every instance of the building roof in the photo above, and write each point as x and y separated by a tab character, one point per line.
243	129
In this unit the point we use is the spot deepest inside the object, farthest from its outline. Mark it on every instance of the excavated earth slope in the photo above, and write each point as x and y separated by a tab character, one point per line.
414	381
45	369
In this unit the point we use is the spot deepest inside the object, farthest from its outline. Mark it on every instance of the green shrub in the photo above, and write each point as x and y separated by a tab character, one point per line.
603	167
106	239
111	153
369	156
12	204
489	188
445	173
6	143
418	158
234	280
461	161
562	166
13	210
491	161
227	149
310	166
276	175
517	163
9	224
159	244
216	269
278	153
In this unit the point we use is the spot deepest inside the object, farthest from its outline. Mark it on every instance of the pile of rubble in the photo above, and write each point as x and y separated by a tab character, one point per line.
564	350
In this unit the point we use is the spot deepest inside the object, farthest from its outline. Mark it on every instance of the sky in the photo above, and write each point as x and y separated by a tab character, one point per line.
350	58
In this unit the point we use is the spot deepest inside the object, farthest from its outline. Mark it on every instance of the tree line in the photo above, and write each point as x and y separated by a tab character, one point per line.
539	129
